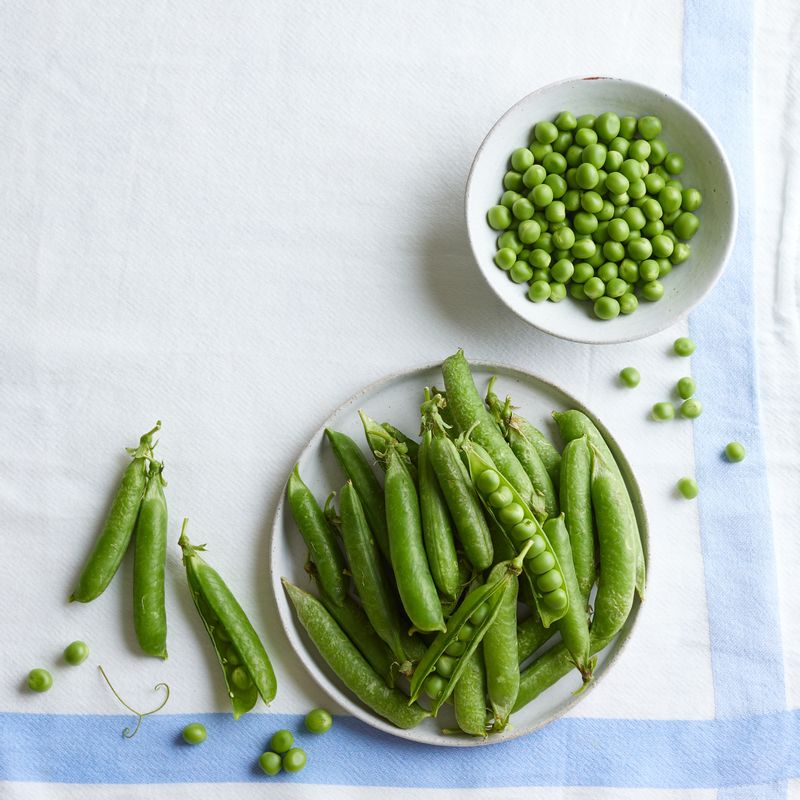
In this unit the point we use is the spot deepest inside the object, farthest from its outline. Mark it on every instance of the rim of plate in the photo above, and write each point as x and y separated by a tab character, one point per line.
342	696
734	210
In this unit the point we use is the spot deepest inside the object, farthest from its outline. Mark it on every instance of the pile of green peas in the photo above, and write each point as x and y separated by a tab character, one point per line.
593	206
282	753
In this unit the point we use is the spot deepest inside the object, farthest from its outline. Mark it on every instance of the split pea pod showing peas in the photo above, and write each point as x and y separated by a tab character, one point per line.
574	625
150	552
406	548
244	661
458	492
439	671
574	424
323	550
349	665
109	549
369	575
545	502
470	414
357	468
576	503
511	513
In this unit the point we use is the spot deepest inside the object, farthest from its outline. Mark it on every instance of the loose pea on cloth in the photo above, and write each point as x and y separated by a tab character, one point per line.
231	216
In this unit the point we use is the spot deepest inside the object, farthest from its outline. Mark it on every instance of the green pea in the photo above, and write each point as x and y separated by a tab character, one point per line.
479	615
691	409
240	678
663	246
294	760
653	291
594	154
556	599
734	451
542	563
686	225
541	275
281	741
619	145
513	181
539	291
649	127
653	228
658	152
557	184
582	272
616	287
562	142
628	303
76	653
534	176
585	136
663	411
607	125
539	259
550	581
512	513
594	288
509	240
509	198
631	169
194	733
614	251
562	270
577	291
538	546
542	195
573	156
499	217
606	213
591	201
630	376
521	159
684	346
566	121
639	249
540	150
270	763
670	199
691	199
664	266
587	176
545	132
648	270
584	222
555	163
446	665
620	203
528	232
618	230
635	218
627	126
521	272
673	162
456	649
39	680
523	531
681	252
606	308
629	270
686	388
505	258
654	183
607	271
584	248
488	481
558	291
613	161
318	720
688	488
522	208
586	121
501	497
564	238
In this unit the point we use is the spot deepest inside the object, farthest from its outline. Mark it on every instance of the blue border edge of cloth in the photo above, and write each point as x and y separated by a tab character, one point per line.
748	750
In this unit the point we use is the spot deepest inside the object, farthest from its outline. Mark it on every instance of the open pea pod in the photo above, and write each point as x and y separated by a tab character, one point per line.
506	507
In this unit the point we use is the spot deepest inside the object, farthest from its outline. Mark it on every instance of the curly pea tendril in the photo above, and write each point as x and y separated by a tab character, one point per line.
126	732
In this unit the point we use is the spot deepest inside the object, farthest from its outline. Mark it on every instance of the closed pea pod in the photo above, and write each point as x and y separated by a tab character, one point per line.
150	551
323	550
110	547
531	635
368	572
412	446
357	467
471	414
378	436
574	424
406	547
576	503
574	625
469	696
349	665
244	661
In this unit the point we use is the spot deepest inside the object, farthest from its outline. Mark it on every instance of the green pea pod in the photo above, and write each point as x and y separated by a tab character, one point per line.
576	503
574	424
505	550
349	665
444	411
617	534
406	547
469	696
323	549
500	656
244	661
518	522
150	552
488	599
115	537
437	528
378	439
412	446
546	670
369	575
531	635
359	471
459	495
470	414
574	625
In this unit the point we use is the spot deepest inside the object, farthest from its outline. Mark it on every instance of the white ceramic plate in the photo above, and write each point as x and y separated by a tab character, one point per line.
707	168
396	399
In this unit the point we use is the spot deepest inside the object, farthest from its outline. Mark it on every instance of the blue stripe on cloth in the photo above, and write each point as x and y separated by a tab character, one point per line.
739	562
733	502
605	752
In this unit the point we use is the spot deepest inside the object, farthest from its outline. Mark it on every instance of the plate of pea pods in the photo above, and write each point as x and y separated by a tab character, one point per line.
460	553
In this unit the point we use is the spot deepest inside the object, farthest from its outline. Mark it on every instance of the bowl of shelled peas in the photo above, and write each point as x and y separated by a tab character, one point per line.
601	210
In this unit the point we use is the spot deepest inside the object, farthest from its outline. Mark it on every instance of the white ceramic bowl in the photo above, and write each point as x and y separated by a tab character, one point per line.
396	399
707	168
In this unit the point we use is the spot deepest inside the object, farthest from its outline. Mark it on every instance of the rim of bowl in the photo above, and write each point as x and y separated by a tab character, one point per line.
732	229
341	696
